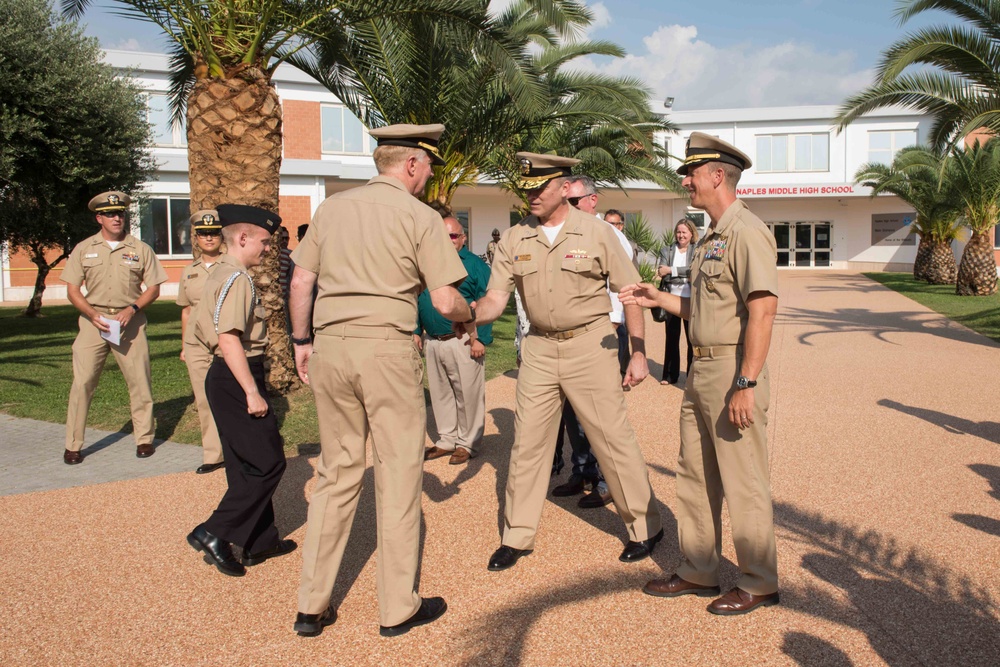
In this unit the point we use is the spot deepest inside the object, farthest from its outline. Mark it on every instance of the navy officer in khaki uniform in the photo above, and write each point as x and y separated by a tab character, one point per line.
208	235
561	261
230	323
723	423
372	250
114	266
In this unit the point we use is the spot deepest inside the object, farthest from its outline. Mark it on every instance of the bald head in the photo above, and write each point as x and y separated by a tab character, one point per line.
455	231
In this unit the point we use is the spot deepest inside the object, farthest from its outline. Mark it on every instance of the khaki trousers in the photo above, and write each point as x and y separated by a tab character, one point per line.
718	460
458	393
198	361
132	356
364	385
584	370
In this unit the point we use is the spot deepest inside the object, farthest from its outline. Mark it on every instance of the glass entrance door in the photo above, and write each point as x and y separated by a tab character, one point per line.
812	243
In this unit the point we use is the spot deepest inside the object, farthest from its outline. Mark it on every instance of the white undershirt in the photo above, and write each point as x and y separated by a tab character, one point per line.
680	261
551	232
113	244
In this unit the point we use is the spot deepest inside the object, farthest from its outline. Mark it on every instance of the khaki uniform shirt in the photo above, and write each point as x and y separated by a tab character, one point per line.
190	289
241	310
374	249
563	286
731	262
114	278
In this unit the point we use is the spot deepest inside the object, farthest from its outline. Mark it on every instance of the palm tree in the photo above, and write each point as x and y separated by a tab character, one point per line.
975	173
919	176
949	72
223	58
605	121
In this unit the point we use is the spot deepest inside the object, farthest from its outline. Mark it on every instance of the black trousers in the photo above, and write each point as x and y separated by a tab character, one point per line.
255	460
672	351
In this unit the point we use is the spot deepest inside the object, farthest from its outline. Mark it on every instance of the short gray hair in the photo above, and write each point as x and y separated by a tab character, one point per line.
589	186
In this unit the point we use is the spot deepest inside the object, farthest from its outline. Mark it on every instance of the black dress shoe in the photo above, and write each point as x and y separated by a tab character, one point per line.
430	610
638	550
505	557
72	458
310	625
595	499
283	547
574	485
217	552
209	467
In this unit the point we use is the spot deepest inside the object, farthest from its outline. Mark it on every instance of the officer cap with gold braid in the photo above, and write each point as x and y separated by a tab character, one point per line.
207	220
412	136
233	214
110	201
702	148
538	169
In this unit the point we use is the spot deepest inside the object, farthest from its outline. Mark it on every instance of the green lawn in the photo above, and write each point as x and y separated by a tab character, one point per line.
979	313
36	372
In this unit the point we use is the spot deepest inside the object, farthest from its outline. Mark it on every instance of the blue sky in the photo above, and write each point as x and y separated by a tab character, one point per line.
722	54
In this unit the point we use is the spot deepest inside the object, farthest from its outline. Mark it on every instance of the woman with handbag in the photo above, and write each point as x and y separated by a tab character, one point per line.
674	272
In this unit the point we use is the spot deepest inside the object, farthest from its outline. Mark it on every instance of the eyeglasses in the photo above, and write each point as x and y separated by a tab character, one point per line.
574	201
455	236
207	232
112	214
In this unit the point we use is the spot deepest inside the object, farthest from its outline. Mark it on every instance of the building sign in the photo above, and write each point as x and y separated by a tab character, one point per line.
830	190
893	229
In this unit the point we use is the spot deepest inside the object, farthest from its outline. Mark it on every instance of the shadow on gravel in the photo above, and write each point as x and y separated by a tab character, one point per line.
913	609
878	324
983	523
989	431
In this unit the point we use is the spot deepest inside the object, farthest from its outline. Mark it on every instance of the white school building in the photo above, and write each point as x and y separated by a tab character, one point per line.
801	183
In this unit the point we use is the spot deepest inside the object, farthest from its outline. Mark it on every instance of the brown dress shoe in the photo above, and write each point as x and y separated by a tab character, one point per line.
738	601
435	452
459	456
144	451
72	458
675	586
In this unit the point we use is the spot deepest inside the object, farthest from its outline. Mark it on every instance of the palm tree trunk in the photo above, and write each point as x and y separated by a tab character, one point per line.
921	265
234	157
941	267
977	273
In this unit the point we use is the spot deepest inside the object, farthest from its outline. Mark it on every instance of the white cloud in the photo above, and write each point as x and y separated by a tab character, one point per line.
131	44
602	17
702	76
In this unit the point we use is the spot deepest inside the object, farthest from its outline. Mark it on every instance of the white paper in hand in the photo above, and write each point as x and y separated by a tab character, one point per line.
114	336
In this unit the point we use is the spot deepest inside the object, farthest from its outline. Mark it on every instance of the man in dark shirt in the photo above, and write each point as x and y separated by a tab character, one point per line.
455	372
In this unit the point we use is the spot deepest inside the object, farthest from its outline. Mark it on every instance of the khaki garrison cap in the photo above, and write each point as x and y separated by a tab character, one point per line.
206	219
232	214
110	201
538	169
413	136
702	148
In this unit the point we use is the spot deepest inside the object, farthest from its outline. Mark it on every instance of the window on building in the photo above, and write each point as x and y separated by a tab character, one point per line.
164	224
342	131
793	152
165	132
884	144
463	217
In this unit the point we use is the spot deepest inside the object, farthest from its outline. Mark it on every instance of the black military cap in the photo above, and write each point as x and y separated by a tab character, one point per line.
232	214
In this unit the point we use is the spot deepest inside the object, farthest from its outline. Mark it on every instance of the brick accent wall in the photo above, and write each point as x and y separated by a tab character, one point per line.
301	127
294	211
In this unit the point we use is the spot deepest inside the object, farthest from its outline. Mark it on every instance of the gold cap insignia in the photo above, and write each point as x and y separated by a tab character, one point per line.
113	200
525	166
208	219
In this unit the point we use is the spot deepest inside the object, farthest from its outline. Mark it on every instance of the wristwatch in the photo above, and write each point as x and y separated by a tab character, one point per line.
301	341
134	307
743	382
472	318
